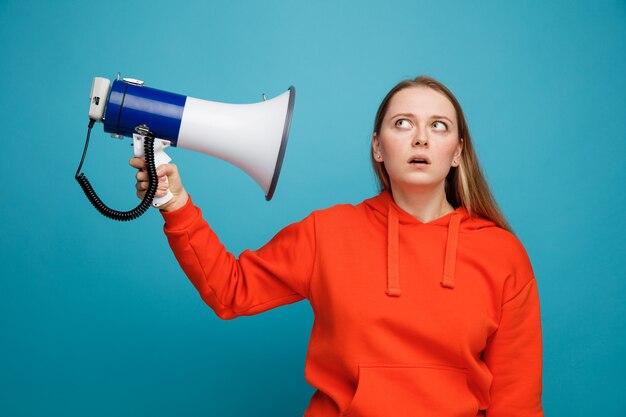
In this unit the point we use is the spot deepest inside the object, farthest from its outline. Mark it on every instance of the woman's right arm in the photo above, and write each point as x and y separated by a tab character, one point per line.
276	274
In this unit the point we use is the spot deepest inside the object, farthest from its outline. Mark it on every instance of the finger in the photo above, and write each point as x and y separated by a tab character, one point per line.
138	163
142	176
169	170
143	185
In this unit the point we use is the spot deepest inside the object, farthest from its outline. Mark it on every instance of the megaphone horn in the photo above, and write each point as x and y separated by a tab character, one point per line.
252	137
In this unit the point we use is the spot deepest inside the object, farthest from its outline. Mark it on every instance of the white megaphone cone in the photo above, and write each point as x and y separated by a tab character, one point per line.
252	137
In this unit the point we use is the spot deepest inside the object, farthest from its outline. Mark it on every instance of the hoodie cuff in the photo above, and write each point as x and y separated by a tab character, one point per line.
182	217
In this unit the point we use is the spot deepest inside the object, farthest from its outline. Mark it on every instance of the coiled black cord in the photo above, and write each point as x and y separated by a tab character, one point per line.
153	181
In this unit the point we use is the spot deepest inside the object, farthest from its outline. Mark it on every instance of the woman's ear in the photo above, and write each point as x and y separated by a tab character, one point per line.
456	161
376	149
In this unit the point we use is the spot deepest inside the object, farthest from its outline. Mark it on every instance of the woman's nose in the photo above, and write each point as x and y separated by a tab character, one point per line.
420	139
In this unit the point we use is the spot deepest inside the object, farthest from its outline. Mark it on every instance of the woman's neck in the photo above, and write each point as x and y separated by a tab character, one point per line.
426	204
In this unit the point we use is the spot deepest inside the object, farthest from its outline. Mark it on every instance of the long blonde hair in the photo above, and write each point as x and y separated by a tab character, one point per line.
465	185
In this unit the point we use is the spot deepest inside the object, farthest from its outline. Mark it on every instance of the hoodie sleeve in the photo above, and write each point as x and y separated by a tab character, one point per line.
276	274
514	351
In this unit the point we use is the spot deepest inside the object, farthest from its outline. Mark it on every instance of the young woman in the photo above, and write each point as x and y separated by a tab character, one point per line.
425	303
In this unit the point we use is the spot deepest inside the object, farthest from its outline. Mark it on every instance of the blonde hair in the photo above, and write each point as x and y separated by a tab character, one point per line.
465	185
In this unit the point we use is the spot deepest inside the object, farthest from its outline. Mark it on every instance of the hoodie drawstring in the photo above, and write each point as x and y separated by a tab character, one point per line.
393	274
450	259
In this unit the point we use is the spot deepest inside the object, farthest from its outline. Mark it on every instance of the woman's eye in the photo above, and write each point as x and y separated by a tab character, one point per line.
440	126
403	123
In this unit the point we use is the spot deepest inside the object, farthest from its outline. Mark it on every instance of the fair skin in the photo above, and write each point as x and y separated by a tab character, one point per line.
419	123
418	142
174	183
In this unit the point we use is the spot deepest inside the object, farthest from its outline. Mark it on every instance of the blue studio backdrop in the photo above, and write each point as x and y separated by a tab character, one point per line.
96	317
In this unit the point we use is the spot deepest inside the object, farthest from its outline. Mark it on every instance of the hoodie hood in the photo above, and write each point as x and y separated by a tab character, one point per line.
456	222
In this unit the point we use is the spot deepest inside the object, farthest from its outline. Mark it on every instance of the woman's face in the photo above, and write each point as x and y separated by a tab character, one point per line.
418	139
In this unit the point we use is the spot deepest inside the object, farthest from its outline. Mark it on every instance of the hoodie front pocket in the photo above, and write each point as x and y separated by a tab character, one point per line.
406	390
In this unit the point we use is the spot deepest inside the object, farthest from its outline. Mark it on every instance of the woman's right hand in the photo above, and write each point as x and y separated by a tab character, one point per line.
174	184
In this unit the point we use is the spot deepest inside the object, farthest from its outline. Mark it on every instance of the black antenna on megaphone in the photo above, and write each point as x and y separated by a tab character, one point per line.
251	136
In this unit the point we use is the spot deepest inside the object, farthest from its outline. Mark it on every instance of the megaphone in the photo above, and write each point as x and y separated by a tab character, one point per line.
252	137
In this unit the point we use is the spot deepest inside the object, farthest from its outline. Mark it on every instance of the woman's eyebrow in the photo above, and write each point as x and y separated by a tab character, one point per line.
404	115
442	117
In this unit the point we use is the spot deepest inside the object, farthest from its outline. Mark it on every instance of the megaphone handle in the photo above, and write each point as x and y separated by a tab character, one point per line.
160	158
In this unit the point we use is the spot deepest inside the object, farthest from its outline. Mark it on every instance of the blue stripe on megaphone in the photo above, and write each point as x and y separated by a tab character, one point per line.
131	105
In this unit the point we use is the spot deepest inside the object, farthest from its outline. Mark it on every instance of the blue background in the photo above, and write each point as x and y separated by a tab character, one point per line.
97	319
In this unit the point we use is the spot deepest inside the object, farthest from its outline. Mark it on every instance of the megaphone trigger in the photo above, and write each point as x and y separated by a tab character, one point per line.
160	158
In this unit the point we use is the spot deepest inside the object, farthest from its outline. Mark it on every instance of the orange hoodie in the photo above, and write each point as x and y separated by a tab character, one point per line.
433	319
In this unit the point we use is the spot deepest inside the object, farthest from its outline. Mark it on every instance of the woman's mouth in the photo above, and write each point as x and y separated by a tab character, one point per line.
419	160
